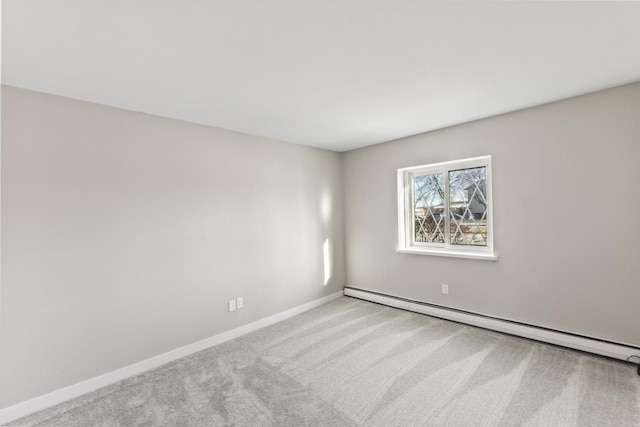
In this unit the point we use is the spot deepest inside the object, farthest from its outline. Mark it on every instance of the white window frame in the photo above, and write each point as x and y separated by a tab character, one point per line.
406	242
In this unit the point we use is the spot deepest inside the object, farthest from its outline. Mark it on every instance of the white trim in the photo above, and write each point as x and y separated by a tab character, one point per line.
591	345
39	403
445	252
403	234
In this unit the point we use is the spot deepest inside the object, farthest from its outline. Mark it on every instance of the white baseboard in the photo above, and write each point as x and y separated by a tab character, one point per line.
565	339
39	403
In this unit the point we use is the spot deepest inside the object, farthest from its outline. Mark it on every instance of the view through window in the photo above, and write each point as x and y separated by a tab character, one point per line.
446	205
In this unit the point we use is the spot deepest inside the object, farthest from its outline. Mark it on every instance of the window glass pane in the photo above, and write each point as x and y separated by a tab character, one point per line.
468	206
428	208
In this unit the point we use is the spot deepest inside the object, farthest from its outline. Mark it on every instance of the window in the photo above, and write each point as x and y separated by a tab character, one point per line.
445	209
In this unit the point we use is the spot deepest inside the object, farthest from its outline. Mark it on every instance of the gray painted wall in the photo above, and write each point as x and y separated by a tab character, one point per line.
124	235
565	182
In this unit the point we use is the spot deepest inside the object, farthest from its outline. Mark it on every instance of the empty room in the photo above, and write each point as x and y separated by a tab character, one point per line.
319	213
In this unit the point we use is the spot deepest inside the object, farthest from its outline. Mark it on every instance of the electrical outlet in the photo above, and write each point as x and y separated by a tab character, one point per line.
445	289
232	305
239	303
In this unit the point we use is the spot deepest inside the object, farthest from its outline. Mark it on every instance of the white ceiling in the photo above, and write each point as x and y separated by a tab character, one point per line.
331	74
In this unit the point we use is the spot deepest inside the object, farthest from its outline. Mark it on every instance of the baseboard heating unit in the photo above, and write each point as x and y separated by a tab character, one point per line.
616	350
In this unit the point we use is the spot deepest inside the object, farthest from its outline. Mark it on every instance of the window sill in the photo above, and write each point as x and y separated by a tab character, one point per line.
487	256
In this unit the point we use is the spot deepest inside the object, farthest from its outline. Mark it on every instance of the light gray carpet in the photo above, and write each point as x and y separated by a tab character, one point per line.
352	363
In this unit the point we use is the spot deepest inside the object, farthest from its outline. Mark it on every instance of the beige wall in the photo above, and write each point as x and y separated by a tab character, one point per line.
124	235
566	211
